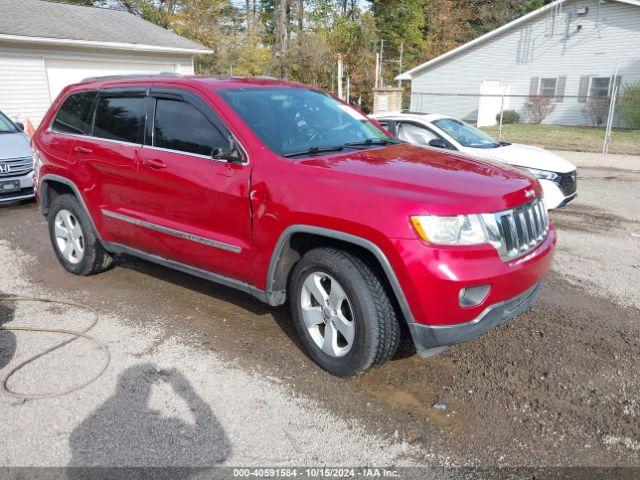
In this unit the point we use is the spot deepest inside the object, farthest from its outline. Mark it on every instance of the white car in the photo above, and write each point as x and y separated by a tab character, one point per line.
556	175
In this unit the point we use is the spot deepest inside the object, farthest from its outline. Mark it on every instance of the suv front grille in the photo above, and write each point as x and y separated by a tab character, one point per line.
568	183
522	229
13	167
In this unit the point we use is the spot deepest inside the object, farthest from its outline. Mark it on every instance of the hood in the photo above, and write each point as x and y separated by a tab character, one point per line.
444	183
14	145
526	156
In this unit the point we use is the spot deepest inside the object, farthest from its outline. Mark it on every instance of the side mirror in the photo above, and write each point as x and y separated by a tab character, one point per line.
438	143
20	126
230	153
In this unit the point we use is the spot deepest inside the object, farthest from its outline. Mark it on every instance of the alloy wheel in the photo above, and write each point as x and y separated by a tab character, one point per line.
327	314
69	236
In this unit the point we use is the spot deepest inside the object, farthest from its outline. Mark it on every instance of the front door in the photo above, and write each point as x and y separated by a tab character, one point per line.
492	95
197	207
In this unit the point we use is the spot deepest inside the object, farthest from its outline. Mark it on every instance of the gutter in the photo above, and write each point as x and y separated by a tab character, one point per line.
138	47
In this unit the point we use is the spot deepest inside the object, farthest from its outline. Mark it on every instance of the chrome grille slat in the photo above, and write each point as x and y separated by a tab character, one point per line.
533	224
522	229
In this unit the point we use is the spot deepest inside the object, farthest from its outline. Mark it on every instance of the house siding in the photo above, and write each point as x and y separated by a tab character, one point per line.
24	87
546	46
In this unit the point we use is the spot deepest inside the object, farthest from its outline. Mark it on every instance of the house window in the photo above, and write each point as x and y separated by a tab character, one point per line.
548	87
599	87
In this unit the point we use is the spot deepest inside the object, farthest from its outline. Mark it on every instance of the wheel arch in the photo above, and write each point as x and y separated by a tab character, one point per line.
53	185
298	239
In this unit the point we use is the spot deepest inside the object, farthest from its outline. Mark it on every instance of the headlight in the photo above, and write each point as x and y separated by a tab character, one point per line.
457	230
542	174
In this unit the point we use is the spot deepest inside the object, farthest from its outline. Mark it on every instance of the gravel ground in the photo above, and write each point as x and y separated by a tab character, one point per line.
203	375
161	401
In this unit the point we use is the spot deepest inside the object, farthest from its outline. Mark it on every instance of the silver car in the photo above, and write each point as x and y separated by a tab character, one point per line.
16	163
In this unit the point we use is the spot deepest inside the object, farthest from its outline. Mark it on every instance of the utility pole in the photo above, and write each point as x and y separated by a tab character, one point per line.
348	89
340	75
400	65
377	76
381	64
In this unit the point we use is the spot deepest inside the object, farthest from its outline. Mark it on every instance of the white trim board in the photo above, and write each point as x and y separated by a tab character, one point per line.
134	47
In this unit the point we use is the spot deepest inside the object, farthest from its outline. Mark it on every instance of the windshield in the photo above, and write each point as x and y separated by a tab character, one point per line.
292	121
465	134
6	125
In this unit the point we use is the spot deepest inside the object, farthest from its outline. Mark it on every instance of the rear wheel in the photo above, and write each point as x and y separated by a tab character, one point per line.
342	312
75	243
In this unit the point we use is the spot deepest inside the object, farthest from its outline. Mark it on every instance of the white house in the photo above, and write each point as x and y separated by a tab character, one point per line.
571	50
45	46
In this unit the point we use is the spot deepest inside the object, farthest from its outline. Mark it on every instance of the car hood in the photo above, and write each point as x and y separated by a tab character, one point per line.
445	183
14	145
526	156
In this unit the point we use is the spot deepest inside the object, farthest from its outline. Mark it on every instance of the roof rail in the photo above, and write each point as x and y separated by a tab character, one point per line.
134	75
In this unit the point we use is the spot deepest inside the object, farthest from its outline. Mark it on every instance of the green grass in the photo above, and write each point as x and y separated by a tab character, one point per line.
579	139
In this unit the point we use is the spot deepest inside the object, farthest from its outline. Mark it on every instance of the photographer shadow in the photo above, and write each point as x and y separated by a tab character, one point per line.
125	437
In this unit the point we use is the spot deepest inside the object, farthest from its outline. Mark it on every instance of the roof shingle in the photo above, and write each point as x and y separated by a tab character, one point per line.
38	18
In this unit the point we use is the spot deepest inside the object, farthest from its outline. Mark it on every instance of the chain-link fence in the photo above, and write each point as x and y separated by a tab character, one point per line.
607	123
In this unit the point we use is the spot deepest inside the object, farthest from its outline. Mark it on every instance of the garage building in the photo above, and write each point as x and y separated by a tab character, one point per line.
45	46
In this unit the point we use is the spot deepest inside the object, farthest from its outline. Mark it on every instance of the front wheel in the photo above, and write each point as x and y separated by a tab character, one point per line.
342	312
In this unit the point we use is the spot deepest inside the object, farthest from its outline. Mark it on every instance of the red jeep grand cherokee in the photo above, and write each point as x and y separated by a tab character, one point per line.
286	193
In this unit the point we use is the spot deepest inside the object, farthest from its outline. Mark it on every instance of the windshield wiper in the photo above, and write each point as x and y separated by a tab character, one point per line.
373	141
312	150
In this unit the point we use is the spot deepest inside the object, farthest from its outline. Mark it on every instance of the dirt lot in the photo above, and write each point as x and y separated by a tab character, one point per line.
209	376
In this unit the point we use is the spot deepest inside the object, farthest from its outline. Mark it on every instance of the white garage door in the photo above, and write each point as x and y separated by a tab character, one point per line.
63	72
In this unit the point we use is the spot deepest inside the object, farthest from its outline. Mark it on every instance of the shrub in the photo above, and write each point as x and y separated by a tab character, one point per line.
508	116
538	107
597	110
629	105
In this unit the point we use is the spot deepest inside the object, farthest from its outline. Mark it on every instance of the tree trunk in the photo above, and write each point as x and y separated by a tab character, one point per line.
300	15
280	46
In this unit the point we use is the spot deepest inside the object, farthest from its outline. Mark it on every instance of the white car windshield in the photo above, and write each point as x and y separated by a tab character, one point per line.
6	125
465	134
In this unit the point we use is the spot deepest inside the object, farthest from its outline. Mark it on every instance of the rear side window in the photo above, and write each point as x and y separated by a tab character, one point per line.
75	114
181	126
119	118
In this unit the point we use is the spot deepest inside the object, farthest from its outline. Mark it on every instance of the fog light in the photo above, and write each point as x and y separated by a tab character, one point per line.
472	296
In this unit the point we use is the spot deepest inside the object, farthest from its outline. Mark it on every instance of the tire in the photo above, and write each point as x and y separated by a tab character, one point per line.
67	215
366	316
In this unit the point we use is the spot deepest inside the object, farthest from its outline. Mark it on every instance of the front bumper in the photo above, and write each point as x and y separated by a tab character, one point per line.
559	192
427	337
26	189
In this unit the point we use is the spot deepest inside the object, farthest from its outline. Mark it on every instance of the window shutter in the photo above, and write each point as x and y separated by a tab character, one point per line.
533	88
560	87
583	90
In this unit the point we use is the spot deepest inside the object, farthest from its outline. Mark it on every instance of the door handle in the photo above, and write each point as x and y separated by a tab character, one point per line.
154	163
82	150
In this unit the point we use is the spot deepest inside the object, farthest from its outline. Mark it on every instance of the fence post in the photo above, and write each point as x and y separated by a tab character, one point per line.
501	114
612	109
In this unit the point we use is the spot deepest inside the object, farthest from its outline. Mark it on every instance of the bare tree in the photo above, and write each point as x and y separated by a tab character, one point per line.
538	107
597	110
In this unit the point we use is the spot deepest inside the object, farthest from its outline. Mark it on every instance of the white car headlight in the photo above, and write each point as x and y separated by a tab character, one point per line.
454	230
542	174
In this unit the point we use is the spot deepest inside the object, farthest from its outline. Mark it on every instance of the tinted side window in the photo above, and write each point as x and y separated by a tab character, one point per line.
181	126
119	118
75	114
